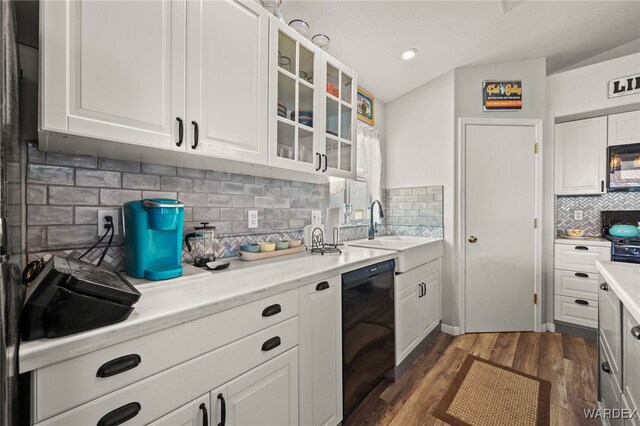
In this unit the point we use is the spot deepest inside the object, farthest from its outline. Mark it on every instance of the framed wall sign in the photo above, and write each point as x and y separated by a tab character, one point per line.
501	95
624	86
366	107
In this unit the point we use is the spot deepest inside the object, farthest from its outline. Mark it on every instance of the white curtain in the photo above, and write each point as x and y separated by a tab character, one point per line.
369	162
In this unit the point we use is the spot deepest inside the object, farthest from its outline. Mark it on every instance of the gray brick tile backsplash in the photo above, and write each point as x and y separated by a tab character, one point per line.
65	192
55	175
138	181
62	195
98	178
417	206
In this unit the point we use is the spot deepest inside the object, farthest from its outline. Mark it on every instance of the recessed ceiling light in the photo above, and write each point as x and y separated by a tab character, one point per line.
409	54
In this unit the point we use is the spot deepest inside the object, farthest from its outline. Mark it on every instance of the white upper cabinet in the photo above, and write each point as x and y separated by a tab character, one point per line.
624	129
227	79
580	157
338	141
114	70
294	68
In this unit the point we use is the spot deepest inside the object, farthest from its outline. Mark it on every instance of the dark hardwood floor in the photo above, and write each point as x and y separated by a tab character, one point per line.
568	362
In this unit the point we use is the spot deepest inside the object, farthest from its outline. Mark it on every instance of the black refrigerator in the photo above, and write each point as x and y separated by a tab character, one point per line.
12	251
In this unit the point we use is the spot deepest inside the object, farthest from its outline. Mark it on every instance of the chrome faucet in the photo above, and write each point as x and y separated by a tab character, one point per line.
373	228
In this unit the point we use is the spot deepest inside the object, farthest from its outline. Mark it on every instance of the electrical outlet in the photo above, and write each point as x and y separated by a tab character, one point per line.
115	217
253	219
316	217
577	215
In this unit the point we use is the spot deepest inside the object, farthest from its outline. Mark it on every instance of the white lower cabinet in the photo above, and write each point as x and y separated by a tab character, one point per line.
417	306
195	413
265	396
321	353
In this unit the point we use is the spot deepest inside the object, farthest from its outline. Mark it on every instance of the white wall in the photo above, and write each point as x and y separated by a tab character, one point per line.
419	152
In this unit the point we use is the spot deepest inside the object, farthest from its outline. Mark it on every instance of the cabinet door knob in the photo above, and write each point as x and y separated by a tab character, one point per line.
272	310
581	275
120	415
635	332
604	287
223	410
473	239
180	131
322	286
605	367
118	365
270	344
196	134
205	414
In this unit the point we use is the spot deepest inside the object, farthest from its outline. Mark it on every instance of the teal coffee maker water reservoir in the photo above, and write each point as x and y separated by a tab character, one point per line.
153	238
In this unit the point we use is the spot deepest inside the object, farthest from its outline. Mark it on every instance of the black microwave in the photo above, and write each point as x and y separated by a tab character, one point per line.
624	167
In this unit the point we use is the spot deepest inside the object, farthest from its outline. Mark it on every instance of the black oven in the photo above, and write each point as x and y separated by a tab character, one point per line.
624	167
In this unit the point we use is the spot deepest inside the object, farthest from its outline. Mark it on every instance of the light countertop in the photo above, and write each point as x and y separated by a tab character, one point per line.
199	293
592	241
624	280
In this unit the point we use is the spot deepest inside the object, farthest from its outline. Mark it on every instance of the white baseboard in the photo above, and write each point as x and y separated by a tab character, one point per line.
450	329
549	326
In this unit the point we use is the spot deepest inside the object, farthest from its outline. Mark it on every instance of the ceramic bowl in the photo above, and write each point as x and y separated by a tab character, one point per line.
575	232
321	40
295	243
300	26
266	246
282	245
251	248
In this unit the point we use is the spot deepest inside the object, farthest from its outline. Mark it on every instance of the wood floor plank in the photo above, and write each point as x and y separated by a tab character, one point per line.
504	349
574	349
465	341
591	347
527	353
581	386
483	346
551	367
559	416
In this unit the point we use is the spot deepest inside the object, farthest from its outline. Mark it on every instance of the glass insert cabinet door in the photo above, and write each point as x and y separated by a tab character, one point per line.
294	62
339	93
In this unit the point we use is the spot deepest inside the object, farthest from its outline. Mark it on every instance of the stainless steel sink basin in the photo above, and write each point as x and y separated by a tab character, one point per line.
412	251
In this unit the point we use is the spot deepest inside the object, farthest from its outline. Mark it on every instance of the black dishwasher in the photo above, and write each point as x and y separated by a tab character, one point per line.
368	338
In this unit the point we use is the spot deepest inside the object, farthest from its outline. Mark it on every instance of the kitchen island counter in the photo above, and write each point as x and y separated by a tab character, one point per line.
624	280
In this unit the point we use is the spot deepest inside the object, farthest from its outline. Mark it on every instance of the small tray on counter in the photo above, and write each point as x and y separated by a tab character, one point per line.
245	255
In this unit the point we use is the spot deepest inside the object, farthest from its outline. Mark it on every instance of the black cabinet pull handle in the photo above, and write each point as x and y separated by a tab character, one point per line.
419	290
195	134
581	248
272	343
326	163
180	131
119	365
322	286
604	287
582	275
270	311
635	332
205	414
120	415
223	410
319	161
581	302
601	186
605	367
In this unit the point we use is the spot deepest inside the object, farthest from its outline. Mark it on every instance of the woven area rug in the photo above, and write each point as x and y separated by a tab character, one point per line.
487	394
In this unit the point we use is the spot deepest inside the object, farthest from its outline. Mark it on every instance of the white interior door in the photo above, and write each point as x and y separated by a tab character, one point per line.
500	243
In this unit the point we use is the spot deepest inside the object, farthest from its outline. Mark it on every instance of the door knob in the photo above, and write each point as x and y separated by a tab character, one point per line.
473	239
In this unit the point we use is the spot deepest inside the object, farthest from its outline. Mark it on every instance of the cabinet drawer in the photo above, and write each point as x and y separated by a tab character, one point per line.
580	257
172	388
157	352
582	285
410	278
570	311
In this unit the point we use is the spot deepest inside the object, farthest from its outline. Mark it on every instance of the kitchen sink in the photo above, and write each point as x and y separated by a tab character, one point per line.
412	251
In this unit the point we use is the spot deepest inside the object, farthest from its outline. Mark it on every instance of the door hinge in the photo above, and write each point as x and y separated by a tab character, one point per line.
535	298
535	148
535	223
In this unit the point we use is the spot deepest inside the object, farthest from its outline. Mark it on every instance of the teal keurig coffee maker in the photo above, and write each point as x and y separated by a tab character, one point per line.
153	238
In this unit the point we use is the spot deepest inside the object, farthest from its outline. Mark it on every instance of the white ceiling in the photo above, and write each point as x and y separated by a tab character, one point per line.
369	36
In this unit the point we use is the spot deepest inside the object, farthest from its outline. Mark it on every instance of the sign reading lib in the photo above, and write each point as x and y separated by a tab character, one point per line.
501	95
624	86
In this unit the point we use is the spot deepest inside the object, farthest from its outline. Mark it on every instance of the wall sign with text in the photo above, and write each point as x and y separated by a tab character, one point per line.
624	86
501	95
